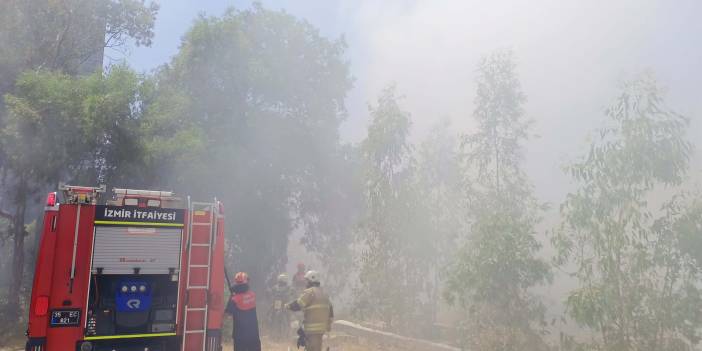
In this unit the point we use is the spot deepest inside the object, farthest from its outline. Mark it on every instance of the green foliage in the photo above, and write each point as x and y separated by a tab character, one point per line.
639	282
688	227
329	218
67	36
62	128
127	20
409	221
387	274
438	187
249	111
497	265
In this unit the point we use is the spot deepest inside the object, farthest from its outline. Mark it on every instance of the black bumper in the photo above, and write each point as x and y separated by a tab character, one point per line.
35	344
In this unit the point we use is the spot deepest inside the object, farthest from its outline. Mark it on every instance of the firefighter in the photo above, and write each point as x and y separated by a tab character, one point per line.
318	311
298	281
299	285
282	288
279	317
242	307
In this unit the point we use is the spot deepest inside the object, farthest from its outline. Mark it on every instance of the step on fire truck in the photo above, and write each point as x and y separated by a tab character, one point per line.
144	271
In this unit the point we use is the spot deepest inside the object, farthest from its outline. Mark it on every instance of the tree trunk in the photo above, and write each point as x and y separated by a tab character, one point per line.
14	307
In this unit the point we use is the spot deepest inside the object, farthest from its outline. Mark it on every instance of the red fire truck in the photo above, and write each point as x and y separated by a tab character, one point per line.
144	271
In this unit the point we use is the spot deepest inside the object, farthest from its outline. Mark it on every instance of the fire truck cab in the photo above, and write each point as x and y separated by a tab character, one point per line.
142	271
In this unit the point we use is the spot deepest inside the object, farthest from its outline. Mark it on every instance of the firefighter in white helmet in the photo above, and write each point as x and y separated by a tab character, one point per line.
317	309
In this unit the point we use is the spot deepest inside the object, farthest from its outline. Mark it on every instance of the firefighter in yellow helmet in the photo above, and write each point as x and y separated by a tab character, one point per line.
317	309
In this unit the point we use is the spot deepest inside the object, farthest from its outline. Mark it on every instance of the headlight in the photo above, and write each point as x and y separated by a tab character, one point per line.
142	288
134	288
124	288
86	346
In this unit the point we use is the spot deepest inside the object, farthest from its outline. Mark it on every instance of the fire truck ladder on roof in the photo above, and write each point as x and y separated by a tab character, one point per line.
201	235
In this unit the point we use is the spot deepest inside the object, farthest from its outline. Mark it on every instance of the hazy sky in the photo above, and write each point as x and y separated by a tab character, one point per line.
571	56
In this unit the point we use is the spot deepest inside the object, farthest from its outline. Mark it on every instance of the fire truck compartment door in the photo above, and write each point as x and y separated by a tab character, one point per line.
119	250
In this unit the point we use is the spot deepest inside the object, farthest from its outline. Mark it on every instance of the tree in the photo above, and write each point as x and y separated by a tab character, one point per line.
330	215
67	36
438	183
387	275
497	265
688	224
249	111
639	286
64	128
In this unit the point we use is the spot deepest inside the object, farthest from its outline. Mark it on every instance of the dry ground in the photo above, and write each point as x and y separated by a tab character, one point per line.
336	343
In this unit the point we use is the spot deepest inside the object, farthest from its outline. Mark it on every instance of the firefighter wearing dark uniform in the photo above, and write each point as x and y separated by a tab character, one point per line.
318	311
242	307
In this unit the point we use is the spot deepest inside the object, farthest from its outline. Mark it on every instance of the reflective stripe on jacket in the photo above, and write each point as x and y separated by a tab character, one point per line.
318	310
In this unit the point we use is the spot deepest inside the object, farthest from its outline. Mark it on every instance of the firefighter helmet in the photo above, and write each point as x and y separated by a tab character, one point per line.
283	278
312	276
241	278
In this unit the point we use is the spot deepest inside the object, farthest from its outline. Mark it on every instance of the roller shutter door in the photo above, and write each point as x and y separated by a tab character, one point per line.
118	250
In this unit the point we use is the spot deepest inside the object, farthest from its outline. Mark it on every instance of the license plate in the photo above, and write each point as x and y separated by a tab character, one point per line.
278	304
65	318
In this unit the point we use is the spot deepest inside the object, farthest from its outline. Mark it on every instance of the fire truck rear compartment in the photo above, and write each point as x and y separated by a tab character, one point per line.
134	287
